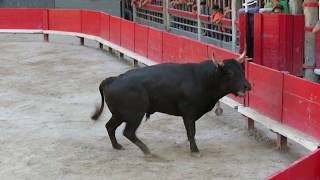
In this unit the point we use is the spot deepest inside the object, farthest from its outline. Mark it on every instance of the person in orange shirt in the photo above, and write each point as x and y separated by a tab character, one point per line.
217	15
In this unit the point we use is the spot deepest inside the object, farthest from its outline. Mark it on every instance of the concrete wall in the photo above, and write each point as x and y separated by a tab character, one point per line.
27	3
108	6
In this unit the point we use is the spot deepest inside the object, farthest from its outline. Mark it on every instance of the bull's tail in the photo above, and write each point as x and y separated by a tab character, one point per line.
98	112
103	84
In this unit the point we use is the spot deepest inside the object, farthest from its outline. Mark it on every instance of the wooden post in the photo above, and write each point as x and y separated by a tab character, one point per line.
110	49
81	40
46	37
282	142
135	63
295	7
121	55
311	18
250	123
235	6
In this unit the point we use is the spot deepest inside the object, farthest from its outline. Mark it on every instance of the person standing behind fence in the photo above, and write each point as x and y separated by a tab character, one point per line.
252	9
215	18
281	6
140	3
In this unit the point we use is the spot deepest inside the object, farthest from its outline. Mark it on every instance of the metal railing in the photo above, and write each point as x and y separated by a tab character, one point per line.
183	19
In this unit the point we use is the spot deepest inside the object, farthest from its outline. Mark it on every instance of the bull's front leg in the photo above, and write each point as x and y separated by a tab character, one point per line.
189	124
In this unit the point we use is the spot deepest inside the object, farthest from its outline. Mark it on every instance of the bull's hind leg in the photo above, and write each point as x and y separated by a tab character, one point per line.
111	127
130	133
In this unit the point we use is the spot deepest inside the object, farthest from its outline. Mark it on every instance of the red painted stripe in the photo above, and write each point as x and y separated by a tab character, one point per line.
308	29
153	7
182	13
310	4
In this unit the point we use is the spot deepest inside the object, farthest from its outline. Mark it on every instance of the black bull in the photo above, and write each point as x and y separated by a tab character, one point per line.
187	90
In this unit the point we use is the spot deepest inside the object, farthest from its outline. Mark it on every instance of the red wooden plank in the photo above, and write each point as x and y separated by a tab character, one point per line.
91	22
172	48
65	20
45	19
21	18
193	51
220	53
266	94
242	29
141	39
304	168
127	34
115	30
200	51
258	35
271	55
301	104
285	42
318	48
155	45
105	26
298	45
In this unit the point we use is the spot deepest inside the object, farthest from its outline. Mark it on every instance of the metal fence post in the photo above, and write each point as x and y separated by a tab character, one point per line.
198	19
235	5
166	15
134	13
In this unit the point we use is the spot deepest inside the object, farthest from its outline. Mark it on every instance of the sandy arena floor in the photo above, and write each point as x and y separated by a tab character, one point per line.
48	92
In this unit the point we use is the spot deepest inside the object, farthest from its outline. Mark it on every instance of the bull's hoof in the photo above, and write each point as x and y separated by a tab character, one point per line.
219	111
149	155
196	154
118	147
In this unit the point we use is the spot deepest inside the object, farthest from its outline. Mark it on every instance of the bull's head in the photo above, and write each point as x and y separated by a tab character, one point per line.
232	75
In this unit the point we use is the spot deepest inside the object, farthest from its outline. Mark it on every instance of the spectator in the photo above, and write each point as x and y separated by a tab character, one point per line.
270	5
267	7
217	15
139	3
215	18
278	9
316	27
252	7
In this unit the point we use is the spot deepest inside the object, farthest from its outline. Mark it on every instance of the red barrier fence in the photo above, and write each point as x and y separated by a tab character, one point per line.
266	94
65	20
307	168
318	49
23	18
141	36
105	26
287	99
279	41
91	22
301	105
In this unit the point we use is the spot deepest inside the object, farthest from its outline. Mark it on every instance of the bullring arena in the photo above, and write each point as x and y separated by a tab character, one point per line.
49	90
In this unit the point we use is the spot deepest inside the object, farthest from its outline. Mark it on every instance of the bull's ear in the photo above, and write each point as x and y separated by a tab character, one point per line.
215	61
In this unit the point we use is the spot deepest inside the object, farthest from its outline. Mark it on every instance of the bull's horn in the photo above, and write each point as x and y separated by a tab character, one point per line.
241	58
215	61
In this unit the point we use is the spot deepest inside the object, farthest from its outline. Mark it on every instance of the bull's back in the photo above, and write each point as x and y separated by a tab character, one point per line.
161	87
